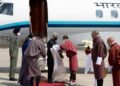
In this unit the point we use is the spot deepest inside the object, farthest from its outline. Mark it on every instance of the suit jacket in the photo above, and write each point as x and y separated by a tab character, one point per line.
50	44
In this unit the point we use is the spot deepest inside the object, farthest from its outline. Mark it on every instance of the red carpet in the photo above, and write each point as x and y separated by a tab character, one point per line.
51	84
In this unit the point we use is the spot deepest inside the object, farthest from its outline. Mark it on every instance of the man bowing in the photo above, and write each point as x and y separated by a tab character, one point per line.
114	60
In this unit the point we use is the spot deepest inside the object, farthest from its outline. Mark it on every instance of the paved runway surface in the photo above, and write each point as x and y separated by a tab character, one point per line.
82	79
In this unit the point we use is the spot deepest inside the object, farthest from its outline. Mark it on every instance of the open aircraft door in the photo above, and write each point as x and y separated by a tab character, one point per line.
39	23
39	17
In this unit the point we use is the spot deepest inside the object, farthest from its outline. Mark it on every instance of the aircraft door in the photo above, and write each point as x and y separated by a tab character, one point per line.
39	17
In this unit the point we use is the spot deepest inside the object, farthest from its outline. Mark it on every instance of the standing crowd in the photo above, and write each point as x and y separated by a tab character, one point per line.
34	47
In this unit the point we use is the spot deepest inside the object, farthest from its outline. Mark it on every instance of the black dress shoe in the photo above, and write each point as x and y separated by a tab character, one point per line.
13	79
50	81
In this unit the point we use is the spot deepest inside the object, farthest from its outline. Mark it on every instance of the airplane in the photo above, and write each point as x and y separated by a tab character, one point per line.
65	17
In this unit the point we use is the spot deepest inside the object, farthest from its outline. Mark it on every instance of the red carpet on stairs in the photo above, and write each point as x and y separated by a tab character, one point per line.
51	84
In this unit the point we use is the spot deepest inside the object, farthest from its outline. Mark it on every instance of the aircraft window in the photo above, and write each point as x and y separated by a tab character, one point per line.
6	8
99	13
114	14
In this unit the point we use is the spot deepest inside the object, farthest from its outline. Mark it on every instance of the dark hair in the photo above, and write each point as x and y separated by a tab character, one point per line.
65	37
30	35
96	32
16	30
88	47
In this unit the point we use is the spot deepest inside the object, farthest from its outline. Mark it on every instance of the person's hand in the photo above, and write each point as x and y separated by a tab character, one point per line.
97	65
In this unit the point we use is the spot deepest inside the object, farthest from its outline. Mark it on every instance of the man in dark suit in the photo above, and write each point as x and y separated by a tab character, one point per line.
50	61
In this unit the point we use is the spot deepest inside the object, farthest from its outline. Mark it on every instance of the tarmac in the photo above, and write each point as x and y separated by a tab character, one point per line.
82	79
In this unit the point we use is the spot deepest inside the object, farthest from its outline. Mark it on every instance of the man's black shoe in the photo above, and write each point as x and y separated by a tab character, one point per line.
49	81
13	79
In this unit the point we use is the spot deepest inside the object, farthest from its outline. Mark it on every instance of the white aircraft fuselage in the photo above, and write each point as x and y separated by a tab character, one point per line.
65	17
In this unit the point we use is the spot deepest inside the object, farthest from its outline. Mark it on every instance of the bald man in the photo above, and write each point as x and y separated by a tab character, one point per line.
114	60
98	54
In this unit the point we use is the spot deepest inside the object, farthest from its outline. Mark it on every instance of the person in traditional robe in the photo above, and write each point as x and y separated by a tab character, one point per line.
13	52
50	60
35	50
59	71
114	60
88	66
99	53
23	80
71	53
39	16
